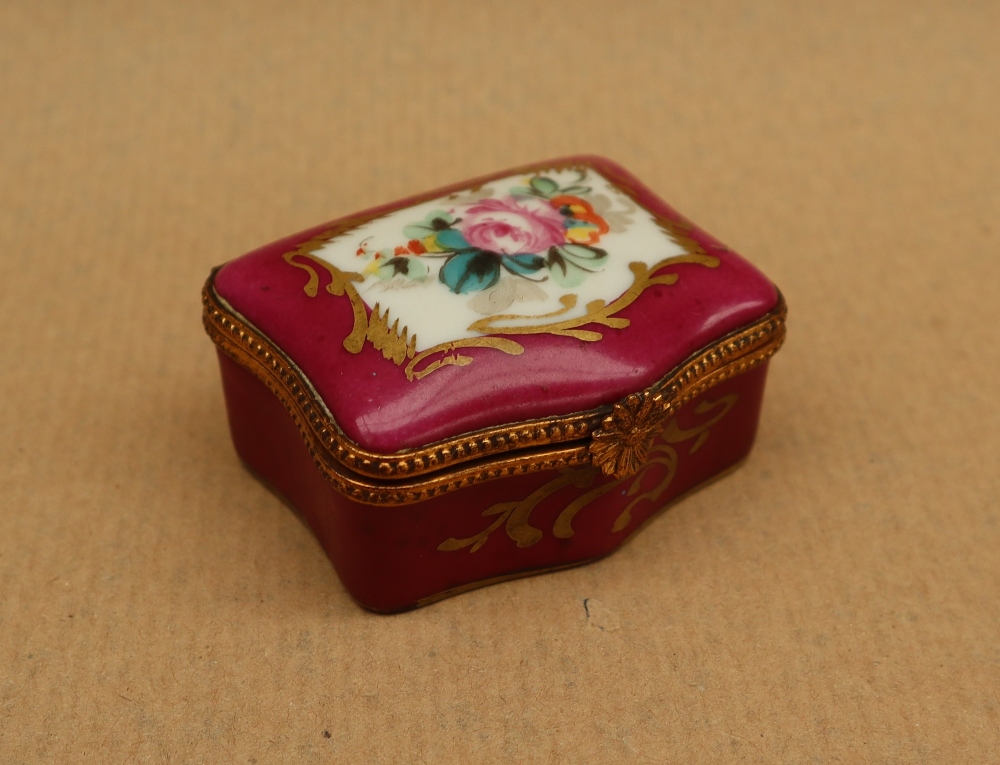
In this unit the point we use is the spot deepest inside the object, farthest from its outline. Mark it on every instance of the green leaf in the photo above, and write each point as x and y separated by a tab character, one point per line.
471	271
434	221
591	258
411	268
523	264
544	186
576	190
571	264
450	239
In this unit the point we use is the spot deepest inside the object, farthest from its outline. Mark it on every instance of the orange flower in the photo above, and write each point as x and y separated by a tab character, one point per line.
583	212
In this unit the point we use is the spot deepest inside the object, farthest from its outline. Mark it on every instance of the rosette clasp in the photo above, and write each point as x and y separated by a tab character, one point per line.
620	446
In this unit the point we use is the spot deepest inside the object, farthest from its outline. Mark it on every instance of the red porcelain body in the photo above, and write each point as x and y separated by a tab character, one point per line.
505	376
396	557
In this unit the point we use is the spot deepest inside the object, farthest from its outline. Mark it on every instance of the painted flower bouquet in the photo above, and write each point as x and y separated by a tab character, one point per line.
538	230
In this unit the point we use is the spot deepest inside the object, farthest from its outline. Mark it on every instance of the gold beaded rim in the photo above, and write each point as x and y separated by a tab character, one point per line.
483	455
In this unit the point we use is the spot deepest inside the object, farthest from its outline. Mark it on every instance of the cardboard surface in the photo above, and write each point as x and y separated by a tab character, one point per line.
835	600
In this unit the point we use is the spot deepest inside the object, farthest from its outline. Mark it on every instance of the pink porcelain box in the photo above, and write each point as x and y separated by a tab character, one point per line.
499	378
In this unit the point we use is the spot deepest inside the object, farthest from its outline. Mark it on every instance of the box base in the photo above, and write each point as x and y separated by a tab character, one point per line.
392	558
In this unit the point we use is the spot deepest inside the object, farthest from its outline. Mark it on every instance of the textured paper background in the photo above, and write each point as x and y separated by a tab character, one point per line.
835	601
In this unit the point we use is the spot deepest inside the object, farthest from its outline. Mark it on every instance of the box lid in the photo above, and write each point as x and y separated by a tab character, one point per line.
493	316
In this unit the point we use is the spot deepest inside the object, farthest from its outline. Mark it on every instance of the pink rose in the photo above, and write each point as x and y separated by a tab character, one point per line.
512	226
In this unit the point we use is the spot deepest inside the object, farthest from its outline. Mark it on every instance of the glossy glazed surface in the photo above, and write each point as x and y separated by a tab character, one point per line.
394	558
371	375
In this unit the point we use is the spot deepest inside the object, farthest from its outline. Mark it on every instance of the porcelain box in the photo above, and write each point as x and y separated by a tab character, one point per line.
494	379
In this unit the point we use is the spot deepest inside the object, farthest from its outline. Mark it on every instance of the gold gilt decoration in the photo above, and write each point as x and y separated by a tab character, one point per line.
396	345
340	283
498	452
598	312
457	359
515	516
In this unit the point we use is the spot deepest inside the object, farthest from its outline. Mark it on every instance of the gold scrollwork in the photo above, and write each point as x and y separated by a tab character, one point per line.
598	312
496	343
673	434
516	514
341	283
397	345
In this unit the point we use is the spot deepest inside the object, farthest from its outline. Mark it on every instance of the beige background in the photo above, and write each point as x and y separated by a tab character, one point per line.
835	601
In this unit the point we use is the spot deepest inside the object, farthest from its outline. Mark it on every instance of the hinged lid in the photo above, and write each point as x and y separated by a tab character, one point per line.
487	328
